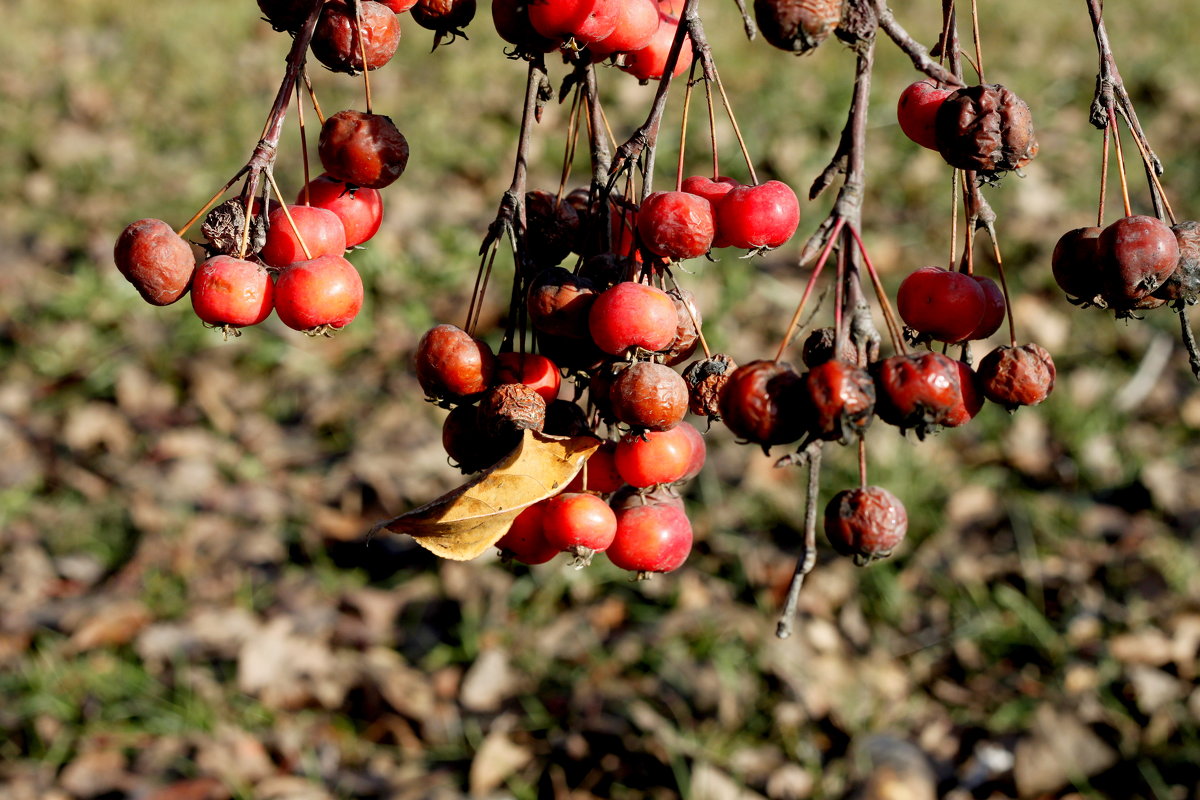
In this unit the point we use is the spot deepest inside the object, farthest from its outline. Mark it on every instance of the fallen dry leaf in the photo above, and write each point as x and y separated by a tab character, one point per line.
465	522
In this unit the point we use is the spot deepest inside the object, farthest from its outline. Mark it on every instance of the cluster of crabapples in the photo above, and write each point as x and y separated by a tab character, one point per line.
262	255
619	337
1135	264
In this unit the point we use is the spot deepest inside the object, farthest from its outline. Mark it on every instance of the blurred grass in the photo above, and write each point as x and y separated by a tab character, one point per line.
120	112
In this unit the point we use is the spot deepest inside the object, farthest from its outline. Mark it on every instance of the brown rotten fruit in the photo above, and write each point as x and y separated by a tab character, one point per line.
797	26
985	128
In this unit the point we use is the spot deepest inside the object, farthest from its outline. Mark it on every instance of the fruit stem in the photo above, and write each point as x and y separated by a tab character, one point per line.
569	149
1012	324
748	25
808	552
687	104
954	178
1189	342
978	43
862	462
312	97
737	131
362	53
284	205
808	288
712	129
211	202
1104	175
1120	163
889	315
695	322
303	145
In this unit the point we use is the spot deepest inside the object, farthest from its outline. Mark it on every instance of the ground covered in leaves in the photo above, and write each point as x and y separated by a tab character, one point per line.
191	606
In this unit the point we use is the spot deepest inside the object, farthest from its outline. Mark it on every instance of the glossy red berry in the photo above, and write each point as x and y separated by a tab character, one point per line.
559	19
866	523
359	208
699	451
1139	253
637	20
919	391
324	293
1076	263
941	304
653	458
1017	376
994	308
631	315
452	365
656	537
598	25
840	400
535	371
228	291
762	402
676	225
579	523
320	230
917	110
156	260
711	190
599	474
650	62
363	149
340	40
757	217
399	6
526	540
511	18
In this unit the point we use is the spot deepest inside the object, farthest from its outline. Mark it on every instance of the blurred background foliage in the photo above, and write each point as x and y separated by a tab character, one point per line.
191	606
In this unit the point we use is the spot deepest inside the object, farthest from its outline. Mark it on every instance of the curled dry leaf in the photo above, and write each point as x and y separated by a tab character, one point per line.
465	522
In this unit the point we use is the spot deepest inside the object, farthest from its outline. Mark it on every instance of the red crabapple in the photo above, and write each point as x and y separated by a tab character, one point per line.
326	292
578	523
655	537
228	291
320	230
363	149
526	541
631	315
340	40
917	110
649	62
654	457
940	303
758	217
451	364
359	208
156	260
535	371
676	225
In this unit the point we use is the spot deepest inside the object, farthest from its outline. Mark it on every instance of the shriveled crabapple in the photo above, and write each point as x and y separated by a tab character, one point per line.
341	39
319	229
452	365
156	260
358	207
840	398
917	109
232	292
919	390
656	537
1017	376
362	148
579	523
649	395
632	315
705	380
676	225
762	402
985	128
509	407
323	294
1139	253
865	523
821	346
970	393
942	304
757	217
797	26
225	228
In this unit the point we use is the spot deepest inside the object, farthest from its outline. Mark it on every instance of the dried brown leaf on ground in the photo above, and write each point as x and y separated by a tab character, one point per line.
465	522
